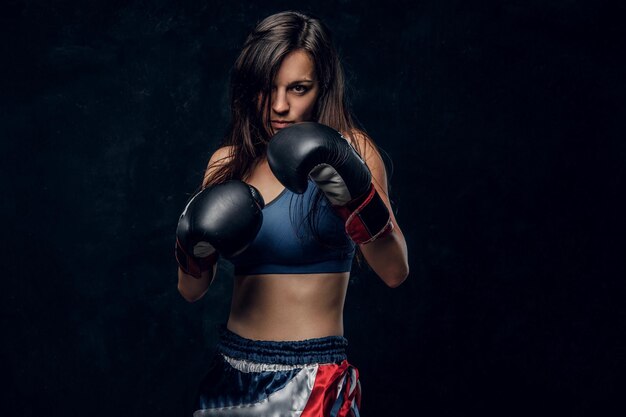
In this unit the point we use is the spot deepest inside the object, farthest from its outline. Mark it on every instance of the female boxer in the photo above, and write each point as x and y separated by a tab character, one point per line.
293	192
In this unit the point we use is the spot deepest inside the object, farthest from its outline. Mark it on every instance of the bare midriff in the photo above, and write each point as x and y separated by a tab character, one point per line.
288	307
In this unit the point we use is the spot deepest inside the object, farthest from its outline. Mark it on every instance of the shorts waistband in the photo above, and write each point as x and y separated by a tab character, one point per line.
301	352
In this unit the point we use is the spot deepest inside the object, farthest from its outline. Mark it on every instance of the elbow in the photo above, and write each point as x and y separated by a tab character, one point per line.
396	277
189	296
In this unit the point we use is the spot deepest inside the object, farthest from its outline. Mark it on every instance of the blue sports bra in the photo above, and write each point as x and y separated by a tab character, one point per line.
286	245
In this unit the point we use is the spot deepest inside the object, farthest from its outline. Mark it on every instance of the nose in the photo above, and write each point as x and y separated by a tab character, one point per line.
280	105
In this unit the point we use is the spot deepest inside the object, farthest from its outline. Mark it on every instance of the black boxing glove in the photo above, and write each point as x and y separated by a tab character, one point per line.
317	151
224	218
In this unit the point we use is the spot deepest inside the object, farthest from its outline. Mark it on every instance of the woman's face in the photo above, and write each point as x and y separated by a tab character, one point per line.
294	92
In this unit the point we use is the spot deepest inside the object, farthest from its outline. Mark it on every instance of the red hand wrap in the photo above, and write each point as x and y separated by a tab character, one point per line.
367	217
192	265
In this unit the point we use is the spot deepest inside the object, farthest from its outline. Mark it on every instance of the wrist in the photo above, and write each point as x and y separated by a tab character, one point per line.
192	265
367	217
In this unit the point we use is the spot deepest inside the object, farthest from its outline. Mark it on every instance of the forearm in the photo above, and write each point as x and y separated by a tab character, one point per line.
192	289
388	257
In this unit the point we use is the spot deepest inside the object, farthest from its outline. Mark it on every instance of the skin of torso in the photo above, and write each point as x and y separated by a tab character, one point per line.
286	306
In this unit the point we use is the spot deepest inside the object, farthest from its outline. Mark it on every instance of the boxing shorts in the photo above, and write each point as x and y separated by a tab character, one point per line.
279	379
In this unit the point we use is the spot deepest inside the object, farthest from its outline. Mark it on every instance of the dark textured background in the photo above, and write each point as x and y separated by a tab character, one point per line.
503	120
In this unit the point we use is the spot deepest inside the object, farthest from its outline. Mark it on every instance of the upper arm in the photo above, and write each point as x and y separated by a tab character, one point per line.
217	160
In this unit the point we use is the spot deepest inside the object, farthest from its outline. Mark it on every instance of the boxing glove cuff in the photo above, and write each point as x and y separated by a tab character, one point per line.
192	265
367	218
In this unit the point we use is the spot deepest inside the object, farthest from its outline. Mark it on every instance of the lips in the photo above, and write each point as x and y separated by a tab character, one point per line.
279	124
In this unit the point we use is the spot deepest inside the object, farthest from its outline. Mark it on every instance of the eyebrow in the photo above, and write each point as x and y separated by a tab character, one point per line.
301	81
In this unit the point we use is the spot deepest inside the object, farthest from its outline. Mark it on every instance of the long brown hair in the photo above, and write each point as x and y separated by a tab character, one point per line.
251	83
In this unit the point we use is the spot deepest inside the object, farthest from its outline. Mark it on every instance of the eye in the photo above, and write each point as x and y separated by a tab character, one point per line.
300	89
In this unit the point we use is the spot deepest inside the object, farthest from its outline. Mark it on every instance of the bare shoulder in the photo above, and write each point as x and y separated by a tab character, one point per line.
221	154
220	157
364	145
